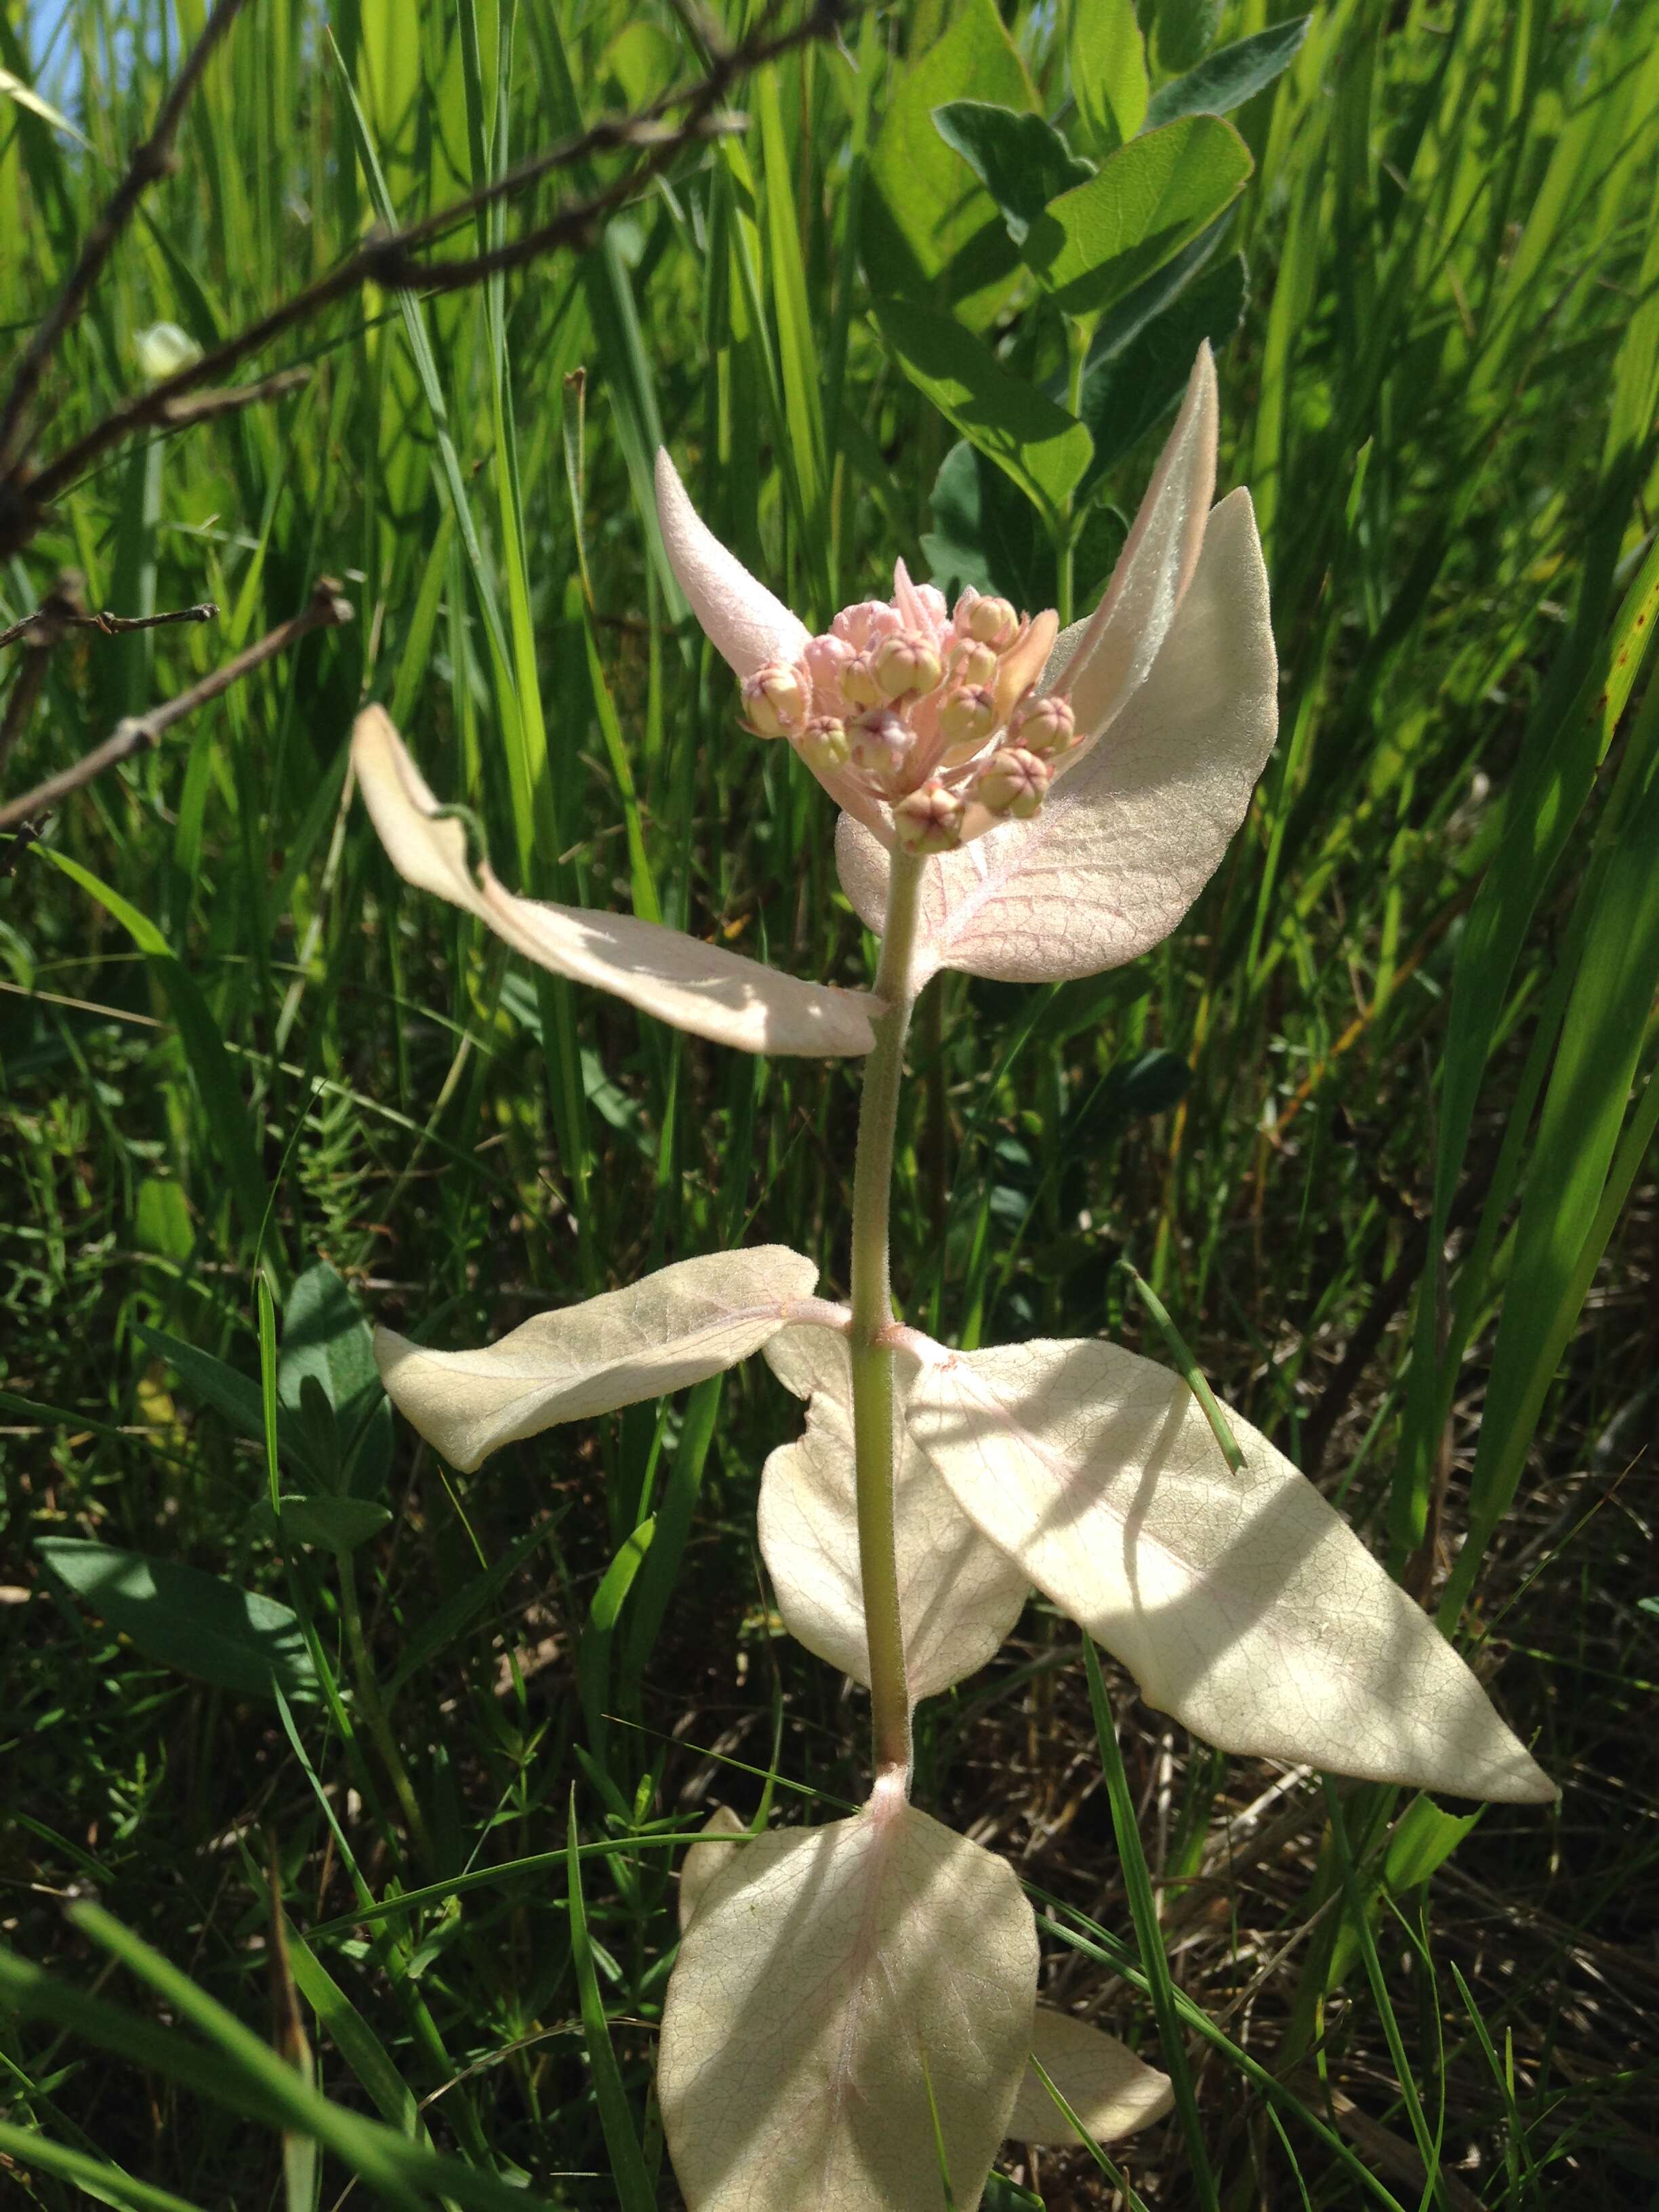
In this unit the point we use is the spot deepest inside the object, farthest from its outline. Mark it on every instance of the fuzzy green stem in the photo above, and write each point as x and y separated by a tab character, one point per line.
873	1312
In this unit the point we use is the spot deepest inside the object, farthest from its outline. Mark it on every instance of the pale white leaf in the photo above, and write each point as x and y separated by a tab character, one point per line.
1241	1601
1114	648
742	621
708	1858
959	1596
831	1978
703	989
678	1327
1111	2091
1126	839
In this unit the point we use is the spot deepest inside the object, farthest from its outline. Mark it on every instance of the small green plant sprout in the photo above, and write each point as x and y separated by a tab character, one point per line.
854	2002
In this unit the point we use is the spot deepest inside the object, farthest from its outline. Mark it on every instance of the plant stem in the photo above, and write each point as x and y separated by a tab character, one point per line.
873	1410
374	1715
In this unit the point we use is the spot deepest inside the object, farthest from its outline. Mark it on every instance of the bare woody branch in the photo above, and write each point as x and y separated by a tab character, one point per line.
110	625
392	261
137	733
153	159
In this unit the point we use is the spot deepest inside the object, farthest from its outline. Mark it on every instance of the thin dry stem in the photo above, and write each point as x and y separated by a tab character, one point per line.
392	261
152	159
137	733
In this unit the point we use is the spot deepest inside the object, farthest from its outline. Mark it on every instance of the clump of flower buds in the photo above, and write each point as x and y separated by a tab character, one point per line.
923	712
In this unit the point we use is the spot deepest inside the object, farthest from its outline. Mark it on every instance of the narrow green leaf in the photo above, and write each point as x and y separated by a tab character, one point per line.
1226	79
627	2166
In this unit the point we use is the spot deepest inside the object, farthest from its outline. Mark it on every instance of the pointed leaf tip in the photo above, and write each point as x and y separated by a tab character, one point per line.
678	1327
744	622
837	1988
701	988
1241	1601
1112	2092
1127	839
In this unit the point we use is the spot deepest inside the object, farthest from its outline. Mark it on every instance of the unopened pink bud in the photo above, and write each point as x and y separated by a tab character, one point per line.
860	684
868	623
824	744
973	663
929	820
966	718
1015	783
1045	727
907	664
774	700
987	622
880	745
825	659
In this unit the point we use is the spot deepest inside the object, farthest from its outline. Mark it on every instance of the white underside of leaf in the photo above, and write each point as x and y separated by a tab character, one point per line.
701	988
1128	837
959	1596
1115	647
678	1327
829	1978
707	1858
743	622
1241	1602
1112	2092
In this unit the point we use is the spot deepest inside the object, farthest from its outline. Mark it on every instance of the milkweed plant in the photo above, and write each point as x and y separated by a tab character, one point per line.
854	2006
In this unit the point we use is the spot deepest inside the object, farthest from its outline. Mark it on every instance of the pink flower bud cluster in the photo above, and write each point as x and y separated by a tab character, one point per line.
931	713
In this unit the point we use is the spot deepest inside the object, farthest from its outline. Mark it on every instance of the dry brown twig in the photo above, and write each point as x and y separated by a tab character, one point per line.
390	262
136	733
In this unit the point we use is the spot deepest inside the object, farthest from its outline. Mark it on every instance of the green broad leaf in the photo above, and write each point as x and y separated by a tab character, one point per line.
333	1524
234	1396
1021	161
1129	393
1106	60
926	229
198	1623
1045	450
1226	80
1150	198
326	1342
987	533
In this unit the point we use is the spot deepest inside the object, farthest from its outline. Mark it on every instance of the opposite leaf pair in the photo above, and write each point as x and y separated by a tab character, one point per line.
1238	1598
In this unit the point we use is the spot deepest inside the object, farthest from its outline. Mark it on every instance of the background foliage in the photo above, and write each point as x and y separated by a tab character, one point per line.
1375	1125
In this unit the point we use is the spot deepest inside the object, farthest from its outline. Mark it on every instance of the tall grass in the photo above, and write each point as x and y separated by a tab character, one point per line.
1376	1124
